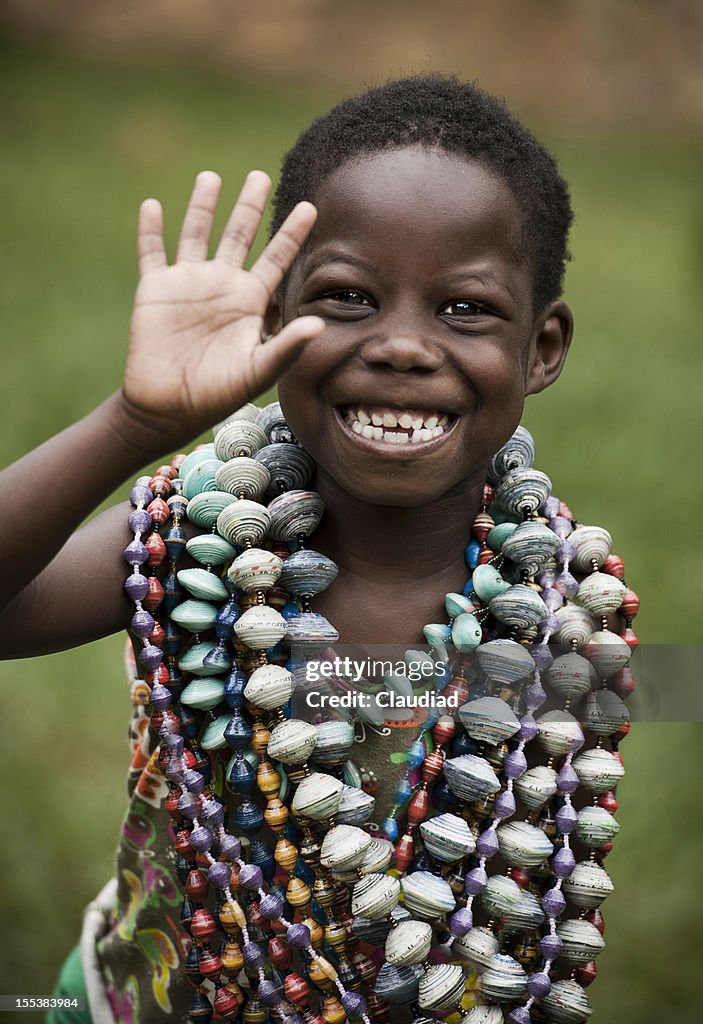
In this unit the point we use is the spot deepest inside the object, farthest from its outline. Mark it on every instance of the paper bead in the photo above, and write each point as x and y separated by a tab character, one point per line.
592	544
598	770
210	549
504	980
239	437
260	627
249	412
516	453
466	633
290	467
214	736
334	742
607	652
575	625
441	987
374	896
483	1015
525	916
567	1003
202	584
596	826
273	423
203	694
201	478
447	837
195	616
292	741
308	632
200	454
355	806
522	491
587	885
571	676
470	777
489	720
205	509
426	895
398	984
408	943
244	477
295	514
317	797
501	895
194	660
604	713
269	686
536	786
255	569
530	546
488	582
523	844
344	847
559	732
243	522
600	593
306	573
505	661
582	942
478	946
519	606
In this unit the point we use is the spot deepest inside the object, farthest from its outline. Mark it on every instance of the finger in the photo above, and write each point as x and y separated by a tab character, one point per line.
245	219
197	223
279	352
151	254
277	257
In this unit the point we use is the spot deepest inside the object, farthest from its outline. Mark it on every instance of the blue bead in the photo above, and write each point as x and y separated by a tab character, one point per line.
261	855
472	554
403	792
237	733
442	795
390	827
226	618
249	817
433	716
242	776
463	744
468	589
189	723
218	658
416	754
289	609
175	539
276	653
234	688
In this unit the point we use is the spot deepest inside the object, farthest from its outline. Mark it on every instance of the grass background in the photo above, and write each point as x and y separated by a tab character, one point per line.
82	144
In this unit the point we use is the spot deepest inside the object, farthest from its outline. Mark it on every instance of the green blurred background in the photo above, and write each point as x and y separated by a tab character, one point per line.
92	123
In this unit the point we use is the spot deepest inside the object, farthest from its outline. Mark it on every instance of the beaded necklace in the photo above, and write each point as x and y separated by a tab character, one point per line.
222	665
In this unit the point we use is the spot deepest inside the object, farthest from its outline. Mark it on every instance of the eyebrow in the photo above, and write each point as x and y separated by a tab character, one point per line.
487	280
352	261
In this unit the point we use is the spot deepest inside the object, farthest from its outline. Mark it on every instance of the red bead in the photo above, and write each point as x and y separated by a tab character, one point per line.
615	566
624	682
203	925
159	675
155	594
418	807
630	637
458	690
196	886
177	461
444	730
163	760
254	915
596	918
157	635
586	974
630	605
378	1009
520	876
279	953
432	766
605	849
171	805
485	555
182	844
608	801
621	734
226	1003
156	548
159	510
210	965
404	853
167	471
202	861
295	987
566	512
486	496
160	485
190	757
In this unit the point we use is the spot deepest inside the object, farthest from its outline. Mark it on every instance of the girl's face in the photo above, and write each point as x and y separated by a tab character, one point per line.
431	342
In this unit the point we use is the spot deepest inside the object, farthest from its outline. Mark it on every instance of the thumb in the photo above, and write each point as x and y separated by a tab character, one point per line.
275	354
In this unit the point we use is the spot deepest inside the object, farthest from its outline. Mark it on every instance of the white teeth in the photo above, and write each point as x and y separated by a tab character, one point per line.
405	421
377	433
437	431
431	422
362	417
415	436
357	427
416	423
389	420
367	431
376	419
444	421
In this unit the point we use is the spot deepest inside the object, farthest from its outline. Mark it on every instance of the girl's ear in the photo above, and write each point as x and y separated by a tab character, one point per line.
549	347
272	318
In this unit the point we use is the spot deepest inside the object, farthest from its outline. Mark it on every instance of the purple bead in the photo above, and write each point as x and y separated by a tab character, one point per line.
143	481
201	838
251	876
550	507
174	771
461	922
140	493
553	902
137	587
487	843
566	584
566	551
269	993
271	905
515	764
230	847
520	1015
475	881
528	728
253	957
170	727
505	804
354	1004
552	598
562	527
142	622
567	779
298	935
539	984
213	812
535	695
151	657
566	819
220	874
139	520
175	743
563	863
160	698
551	946
549	625
135	553
189	805
194	781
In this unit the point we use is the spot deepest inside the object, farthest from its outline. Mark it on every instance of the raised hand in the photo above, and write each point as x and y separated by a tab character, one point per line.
196	350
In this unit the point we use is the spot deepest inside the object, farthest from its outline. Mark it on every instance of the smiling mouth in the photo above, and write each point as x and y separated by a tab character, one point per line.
386	426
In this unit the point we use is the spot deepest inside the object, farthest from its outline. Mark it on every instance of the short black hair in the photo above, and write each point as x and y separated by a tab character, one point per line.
458	117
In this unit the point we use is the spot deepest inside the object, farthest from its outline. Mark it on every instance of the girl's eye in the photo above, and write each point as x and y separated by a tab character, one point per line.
464	308
348	295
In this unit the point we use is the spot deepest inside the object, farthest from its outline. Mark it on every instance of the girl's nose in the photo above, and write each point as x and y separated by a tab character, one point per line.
402	350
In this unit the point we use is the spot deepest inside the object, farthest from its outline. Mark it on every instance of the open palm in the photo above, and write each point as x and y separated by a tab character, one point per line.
196	349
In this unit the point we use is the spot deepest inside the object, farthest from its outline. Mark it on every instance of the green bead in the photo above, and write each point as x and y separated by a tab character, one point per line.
457	604
203	694
488	582
499	534
210	549
193	660
214	736
436	634
466	633
203	584
195	616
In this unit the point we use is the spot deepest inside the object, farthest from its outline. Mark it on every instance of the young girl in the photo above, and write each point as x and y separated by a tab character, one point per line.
407	303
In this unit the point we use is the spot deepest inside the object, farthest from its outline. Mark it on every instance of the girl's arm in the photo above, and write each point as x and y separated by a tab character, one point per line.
196	354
